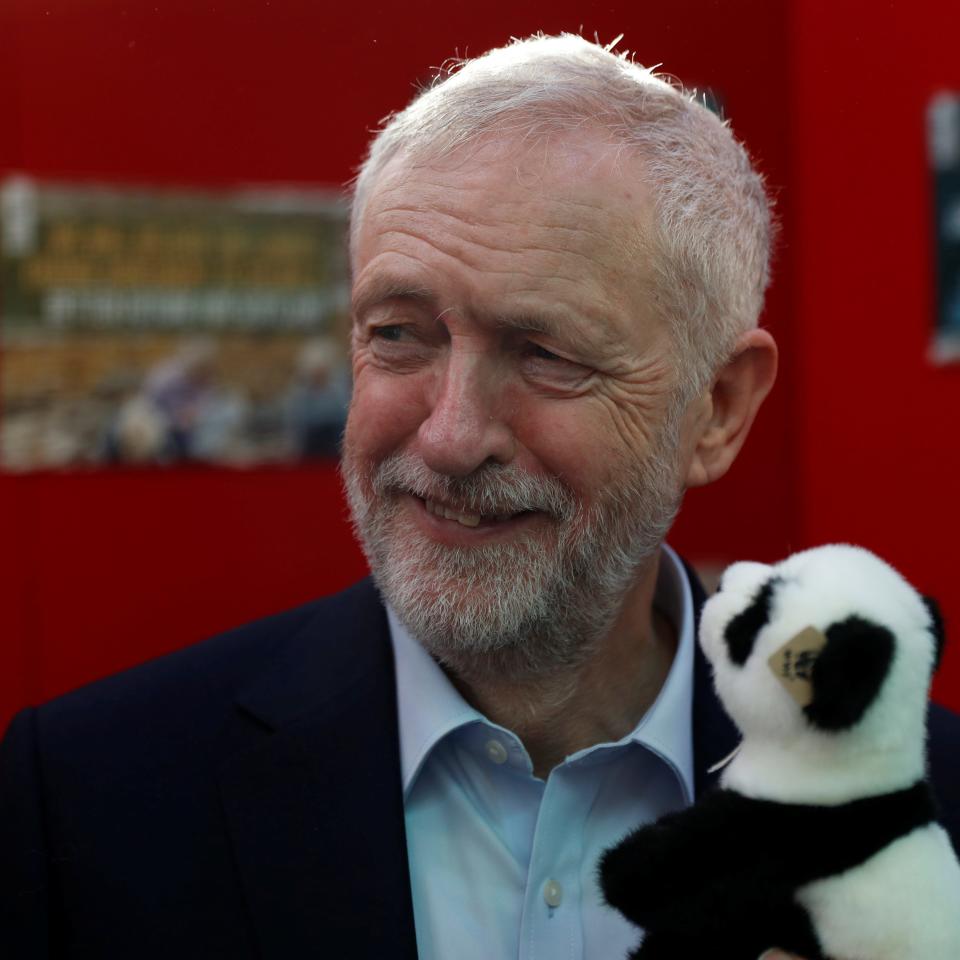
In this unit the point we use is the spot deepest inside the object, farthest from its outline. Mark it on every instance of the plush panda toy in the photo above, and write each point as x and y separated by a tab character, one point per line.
822	838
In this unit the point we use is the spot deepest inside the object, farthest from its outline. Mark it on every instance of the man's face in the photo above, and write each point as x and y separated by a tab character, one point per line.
511	453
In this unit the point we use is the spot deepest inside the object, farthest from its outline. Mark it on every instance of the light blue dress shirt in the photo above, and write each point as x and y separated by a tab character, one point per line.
504	864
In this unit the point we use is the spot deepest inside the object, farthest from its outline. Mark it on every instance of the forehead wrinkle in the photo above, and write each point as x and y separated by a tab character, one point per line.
459	252
610	222
394	284
589	171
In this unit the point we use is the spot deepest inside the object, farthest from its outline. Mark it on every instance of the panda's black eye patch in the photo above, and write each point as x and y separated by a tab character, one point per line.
742	630
849	672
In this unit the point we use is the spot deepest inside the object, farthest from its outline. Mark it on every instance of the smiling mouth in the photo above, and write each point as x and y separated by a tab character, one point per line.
466	518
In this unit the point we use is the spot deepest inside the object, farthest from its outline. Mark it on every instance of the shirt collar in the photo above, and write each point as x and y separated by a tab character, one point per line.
430	707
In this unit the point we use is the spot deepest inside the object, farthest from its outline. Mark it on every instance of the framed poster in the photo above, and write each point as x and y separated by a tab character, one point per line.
944	149
155	327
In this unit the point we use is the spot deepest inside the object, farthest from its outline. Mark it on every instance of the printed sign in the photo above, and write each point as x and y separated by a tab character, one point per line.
944	140
151	327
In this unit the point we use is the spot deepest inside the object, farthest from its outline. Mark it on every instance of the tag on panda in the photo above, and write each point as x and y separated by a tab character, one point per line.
720	764
793	663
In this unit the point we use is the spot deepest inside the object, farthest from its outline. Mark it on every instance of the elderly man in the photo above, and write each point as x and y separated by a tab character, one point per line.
559	261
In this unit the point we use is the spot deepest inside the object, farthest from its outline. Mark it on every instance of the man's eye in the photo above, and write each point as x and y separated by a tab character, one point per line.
542	353
392	332
398	346
544	366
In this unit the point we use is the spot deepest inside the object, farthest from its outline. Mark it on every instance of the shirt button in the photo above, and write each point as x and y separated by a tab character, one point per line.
552	893
496	751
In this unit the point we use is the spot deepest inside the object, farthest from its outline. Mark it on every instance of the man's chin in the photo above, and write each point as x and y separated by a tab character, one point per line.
479	582
482	609
475	634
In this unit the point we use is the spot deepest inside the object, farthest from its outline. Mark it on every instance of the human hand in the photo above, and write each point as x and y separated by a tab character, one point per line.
779	955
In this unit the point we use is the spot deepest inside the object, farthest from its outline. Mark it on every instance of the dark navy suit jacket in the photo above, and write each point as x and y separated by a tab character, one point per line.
242	798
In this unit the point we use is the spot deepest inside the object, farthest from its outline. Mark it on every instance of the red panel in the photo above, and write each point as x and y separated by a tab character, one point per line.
19	652
880	446
101	571
120	568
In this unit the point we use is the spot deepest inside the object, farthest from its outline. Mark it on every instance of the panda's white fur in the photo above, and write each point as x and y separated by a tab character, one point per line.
892	906
901	904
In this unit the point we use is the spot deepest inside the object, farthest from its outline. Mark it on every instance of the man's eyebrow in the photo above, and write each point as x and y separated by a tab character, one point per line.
543	323
389	288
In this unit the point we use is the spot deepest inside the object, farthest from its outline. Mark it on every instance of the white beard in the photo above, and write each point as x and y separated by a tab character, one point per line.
527	607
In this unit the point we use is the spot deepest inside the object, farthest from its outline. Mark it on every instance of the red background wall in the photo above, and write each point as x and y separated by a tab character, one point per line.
876	442
102	570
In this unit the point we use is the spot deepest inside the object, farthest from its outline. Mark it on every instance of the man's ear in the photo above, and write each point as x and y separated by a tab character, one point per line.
729	408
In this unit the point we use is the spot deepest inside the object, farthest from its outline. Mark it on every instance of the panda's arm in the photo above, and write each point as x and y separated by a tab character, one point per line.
683	851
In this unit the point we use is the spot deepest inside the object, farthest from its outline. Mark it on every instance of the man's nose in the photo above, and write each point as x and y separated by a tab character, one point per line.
466	424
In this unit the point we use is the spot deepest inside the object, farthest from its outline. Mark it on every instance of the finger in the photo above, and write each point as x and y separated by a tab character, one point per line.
778	955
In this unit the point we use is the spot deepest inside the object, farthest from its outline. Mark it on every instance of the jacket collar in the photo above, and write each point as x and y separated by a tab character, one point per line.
311	791
714	733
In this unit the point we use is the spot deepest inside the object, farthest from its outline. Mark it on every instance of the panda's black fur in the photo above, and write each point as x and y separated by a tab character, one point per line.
717	880
731	876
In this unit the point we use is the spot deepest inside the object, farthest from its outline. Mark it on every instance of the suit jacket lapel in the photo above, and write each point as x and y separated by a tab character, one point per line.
312	792
714	733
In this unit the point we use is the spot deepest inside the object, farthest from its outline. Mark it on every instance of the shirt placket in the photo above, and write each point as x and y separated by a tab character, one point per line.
551	924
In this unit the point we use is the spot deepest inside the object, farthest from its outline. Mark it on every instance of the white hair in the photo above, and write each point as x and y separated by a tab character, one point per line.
713	226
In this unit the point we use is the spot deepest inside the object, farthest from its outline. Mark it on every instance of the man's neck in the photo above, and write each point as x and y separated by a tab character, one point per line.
597	701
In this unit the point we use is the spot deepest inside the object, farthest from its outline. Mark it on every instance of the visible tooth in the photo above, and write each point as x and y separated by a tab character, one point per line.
467	519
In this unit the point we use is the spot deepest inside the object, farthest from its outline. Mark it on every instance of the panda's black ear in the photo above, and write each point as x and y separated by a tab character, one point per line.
848	672
937	629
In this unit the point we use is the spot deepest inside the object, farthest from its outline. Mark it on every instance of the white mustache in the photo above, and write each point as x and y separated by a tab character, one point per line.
493	489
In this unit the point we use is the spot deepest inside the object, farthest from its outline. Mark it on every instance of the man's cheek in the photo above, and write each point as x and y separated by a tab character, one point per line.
568	446
382	419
